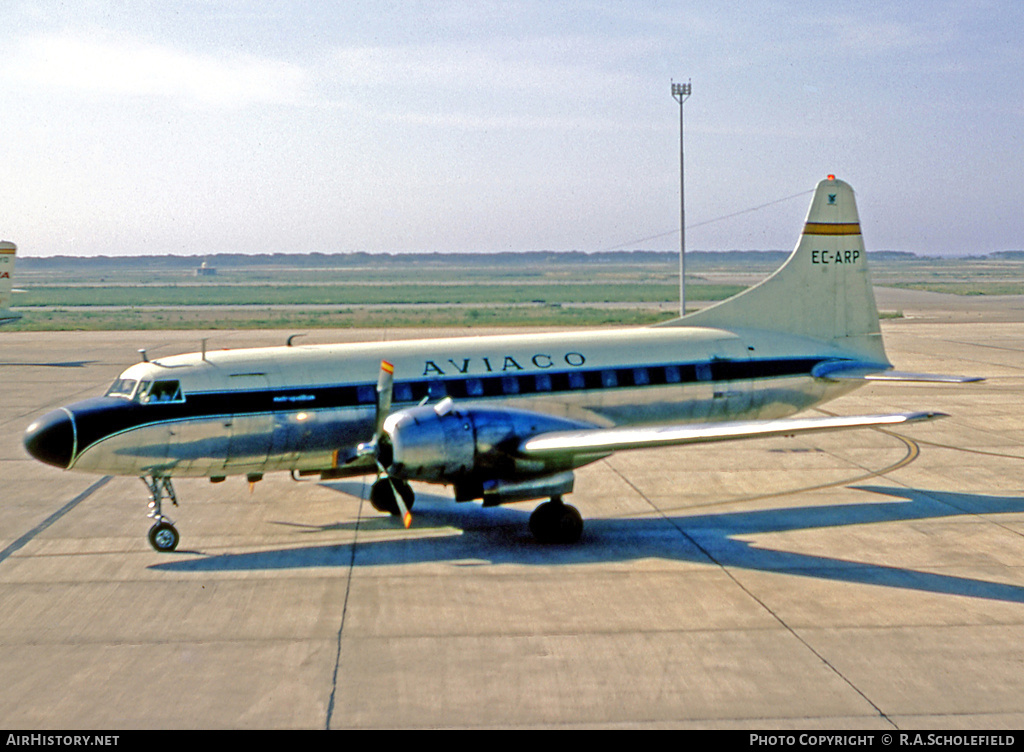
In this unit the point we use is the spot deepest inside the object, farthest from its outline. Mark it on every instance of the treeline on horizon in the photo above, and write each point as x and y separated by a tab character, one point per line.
360	259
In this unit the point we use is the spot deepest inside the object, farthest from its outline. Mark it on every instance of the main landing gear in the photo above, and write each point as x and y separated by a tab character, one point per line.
163	536
555	522
551	522
382	495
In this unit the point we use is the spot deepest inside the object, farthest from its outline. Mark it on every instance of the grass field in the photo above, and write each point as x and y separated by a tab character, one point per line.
261	318
358	290
349	294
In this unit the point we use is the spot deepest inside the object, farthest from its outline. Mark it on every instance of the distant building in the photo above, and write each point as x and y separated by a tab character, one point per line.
205	270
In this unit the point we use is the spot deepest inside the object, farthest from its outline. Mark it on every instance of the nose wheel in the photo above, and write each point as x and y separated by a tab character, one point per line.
163	536
555	522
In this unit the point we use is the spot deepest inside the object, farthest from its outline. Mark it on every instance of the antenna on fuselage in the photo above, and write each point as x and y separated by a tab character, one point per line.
142	352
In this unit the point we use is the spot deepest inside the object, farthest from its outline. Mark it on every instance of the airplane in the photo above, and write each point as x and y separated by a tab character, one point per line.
7	253
500	418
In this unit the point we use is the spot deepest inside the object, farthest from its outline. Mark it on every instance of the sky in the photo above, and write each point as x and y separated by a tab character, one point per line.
247	126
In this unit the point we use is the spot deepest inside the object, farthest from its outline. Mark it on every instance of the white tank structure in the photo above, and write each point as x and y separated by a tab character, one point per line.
7	252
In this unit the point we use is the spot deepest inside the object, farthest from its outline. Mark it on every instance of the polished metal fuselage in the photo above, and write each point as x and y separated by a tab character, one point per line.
307	408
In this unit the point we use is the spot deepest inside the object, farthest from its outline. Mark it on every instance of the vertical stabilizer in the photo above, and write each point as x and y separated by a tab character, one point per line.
7	251
823	291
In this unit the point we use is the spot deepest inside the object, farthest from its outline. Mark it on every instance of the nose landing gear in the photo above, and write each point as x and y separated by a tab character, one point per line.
163	536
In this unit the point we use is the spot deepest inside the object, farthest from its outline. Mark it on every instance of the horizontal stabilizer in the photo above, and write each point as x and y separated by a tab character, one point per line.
601	440
844	370
935	378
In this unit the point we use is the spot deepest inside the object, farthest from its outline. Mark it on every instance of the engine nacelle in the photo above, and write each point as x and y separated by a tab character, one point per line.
445	443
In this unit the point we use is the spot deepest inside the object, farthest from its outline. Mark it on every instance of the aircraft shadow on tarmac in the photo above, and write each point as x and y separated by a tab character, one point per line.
467	534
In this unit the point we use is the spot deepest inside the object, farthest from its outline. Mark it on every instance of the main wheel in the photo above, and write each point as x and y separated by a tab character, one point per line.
382	495
555	522
163	537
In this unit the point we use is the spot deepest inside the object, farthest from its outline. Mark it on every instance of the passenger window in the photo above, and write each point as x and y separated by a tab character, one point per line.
437	390
366	394
609	379
641	377
474	388
510	385
542	382
403	392
672	375
576	380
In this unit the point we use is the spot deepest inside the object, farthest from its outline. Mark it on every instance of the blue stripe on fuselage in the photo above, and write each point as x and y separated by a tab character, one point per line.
101	417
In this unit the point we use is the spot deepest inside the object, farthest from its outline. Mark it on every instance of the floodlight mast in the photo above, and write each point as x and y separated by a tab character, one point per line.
681	92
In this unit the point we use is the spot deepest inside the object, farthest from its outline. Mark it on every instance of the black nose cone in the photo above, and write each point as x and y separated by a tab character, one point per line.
51	439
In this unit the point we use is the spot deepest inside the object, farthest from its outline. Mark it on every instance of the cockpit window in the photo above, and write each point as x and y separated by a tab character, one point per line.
122	388
160	391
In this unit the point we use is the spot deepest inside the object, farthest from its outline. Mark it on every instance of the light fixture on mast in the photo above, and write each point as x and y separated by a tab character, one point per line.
681	92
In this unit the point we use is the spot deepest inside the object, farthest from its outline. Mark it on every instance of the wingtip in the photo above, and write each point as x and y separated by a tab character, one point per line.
925	415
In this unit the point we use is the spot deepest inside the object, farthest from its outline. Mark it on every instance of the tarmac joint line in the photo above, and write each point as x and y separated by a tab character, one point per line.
27	537
710	556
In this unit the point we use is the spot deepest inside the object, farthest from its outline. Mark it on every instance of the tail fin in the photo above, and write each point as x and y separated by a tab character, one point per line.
823	291
7	251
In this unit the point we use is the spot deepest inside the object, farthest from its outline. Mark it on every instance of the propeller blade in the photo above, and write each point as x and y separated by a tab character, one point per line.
385	386
403	510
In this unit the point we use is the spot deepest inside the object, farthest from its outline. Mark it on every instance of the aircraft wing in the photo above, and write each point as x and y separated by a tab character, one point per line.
606	440
845	370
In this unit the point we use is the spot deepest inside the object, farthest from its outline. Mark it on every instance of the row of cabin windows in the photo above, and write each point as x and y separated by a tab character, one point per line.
169	391
540	383
147	392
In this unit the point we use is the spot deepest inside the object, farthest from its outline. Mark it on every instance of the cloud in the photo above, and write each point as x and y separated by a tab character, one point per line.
101	65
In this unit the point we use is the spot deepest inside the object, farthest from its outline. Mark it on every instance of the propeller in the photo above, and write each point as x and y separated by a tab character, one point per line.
385	387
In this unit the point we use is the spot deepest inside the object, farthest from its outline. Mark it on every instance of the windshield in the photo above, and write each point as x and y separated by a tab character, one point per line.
122	388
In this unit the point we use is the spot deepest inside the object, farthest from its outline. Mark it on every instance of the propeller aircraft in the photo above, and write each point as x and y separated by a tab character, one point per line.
503	418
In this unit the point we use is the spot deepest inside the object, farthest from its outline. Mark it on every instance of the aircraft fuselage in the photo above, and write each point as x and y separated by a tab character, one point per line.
307	408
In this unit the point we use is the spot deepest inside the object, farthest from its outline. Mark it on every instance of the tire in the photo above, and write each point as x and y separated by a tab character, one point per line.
555	522
382	495
163	537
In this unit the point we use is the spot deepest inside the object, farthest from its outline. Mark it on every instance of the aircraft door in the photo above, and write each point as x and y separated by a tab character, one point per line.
250	429
728	374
